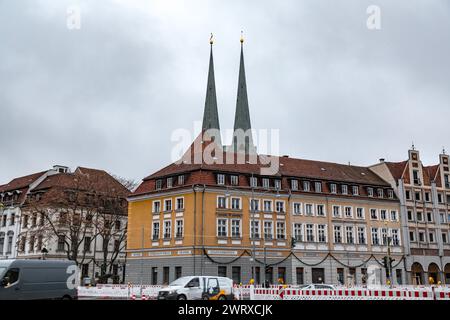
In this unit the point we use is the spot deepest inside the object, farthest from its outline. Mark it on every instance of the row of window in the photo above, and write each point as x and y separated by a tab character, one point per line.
167	229
8	241
419	216
167	205
307	186
426	196
421	236
309	209
309	232
4	220
233	227
170	182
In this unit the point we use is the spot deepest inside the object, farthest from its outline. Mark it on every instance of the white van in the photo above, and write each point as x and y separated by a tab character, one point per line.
198	288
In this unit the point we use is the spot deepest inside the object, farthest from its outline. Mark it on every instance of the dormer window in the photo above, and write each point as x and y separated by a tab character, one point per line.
294	184
266	183
306	186
370	192
333	188
181	180
234	180
169	182
390	194
278	184
221	179
158	184
380	193
318	186
355	190
344	189
253	182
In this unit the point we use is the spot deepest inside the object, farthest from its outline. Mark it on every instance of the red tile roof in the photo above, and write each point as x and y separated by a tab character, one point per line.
21	182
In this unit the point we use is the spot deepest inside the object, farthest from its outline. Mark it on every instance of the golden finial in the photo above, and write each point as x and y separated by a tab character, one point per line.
211	41
242	36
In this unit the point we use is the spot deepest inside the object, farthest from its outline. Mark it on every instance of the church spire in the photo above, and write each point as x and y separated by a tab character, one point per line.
242	138
210	115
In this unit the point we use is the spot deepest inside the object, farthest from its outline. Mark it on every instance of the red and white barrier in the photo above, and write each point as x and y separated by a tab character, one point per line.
119	291
289	293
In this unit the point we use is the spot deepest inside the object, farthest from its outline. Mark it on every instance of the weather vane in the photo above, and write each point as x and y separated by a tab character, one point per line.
211	40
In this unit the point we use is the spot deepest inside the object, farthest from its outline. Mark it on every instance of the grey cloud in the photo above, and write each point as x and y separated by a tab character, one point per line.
110	95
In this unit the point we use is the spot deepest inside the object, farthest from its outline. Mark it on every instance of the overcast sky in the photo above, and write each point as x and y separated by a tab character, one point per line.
110	94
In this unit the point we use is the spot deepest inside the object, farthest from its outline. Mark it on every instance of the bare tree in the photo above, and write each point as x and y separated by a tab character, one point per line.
76	207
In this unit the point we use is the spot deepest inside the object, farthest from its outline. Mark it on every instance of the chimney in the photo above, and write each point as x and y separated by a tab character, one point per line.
381	160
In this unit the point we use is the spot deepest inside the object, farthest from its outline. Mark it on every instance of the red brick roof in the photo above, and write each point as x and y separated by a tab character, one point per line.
397	168
289	167
21	182
100	179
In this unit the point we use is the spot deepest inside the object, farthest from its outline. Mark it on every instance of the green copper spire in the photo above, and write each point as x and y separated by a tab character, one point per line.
210	115
242	122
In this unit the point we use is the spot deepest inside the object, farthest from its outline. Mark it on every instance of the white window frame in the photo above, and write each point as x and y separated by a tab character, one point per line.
271	229
239	202
233	226
376	214
361	230
306	186
283	210
176	203
253	182
370	192
318	186
218	202
322	231
355	190
220	179
234	180
351	212
165	229
294	184
225	227
177	226
169	182
283	233
266	183
324	211
165	205
154	206
258	205
256	227
344	189
339	215
297	230
333	188
299	205
335	229
312	232
310	205
362	213
386	217
393	215
350	230
375	235
153	230
264	205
